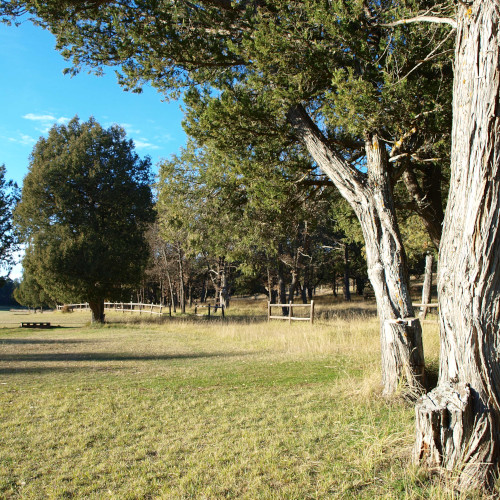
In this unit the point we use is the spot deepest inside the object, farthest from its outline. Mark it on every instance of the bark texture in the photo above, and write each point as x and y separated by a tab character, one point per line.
469	267
370	195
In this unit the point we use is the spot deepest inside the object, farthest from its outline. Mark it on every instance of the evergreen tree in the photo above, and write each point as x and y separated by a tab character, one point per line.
29	293
83	209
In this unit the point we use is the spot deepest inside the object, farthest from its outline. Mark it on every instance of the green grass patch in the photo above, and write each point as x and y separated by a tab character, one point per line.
203	409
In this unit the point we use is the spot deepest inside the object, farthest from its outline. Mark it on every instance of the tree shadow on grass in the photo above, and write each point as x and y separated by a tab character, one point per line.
40	369
351	313
114	356
41	341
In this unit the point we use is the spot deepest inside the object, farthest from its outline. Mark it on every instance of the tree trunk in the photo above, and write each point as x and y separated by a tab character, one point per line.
347	289
270	288
426	288
170	286
334	284
203	293
97	308
282	289
360	285
303	293
182	286
370	195
293	286
224	295
461	432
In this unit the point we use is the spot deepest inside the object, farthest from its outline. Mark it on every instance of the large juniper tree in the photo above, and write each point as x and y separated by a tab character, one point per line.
458	424
83	209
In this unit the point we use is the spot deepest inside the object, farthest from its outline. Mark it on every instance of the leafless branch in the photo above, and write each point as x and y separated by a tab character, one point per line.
423	19
432	54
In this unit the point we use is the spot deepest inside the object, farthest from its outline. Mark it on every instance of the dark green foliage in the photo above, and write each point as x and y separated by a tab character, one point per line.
29	293
84	206
9	194
7	293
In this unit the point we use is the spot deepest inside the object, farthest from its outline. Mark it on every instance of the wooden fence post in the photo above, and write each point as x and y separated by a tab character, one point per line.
312	312
209	310
268	310
290	311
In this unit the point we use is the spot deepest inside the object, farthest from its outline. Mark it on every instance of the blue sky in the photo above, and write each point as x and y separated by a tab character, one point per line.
34	94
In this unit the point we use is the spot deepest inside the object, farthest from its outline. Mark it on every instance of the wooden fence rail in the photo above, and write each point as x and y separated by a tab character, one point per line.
424	310
290	316
209	308
132	307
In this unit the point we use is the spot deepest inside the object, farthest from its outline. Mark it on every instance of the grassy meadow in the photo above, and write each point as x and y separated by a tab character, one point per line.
193	408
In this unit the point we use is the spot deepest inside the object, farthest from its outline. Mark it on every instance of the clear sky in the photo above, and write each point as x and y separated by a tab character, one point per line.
34	94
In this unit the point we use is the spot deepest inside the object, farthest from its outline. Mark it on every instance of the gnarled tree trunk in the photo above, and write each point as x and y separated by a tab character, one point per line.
370	195
458	424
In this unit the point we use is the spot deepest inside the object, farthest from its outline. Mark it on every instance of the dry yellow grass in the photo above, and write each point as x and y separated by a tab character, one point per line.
191	408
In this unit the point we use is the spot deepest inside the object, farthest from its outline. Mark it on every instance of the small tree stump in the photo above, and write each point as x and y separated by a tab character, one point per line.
444	422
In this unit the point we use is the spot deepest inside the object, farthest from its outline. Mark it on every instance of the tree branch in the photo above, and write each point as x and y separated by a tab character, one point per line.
348	180
423	19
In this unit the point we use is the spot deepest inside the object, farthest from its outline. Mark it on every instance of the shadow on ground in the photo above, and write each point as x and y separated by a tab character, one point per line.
348	314
40	341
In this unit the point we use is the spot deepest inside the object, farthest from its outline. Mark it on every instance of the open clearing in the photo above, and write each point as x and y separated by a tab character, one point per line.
203	409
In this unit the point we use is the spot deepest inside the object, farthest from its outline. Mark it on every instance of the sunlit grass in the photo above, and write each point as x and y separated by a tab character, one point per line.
192	408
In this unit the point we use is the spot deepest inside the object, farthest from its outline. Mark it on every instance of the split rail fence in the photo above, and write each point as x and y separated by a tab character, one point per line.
211	310
290	316
132	307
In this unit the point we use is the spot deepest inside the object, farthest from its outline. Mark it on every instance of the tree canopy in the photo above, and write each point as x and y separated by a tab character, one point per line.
84	205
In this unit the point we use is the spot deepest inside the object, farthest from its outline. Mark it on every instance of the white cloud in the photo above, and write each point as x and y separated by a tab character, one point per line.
129	129
24	139
46	118
144	144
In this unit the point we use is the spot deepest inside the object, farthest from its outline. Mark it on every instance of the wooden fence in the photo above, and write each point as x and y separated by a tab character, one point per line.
424	309
132	307
290	316
209	309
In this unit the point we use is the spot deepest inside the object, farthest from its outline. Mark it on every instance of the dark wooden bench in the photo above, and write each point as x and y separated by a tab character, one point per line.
35	324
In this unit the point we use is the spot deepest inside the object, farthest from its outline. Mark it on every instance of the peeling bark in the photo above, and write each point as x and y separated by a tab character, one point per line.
469	266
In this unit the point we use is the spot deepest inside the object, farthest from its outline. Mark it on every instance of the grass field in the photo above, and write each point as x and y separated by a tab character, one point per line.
190	408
